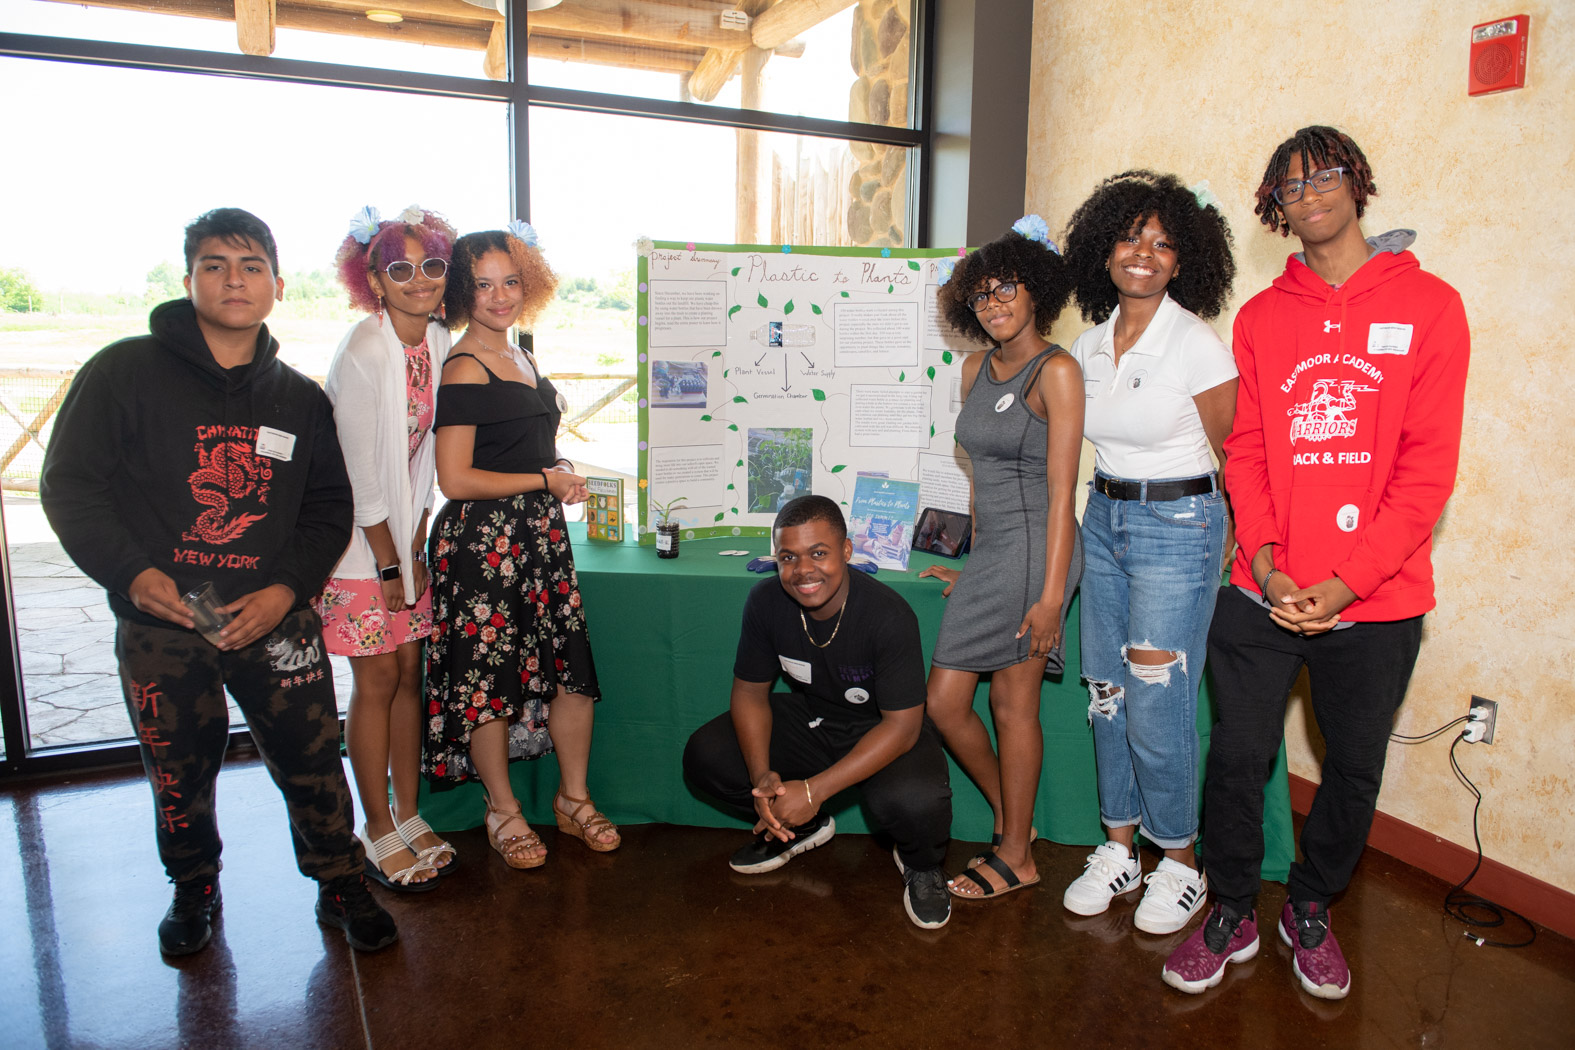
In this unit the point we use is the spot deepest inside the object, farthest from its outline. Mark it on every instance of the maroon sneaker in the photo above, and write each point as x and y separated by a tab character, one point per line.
1319	963
1224	937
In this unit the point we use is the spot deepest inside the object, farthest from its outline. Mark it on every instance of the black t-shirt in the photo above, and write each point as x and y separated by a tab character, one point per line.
875	663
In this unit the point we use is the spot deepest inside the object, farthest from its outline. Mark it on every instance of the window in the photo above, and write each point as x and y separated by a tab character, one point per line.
683	121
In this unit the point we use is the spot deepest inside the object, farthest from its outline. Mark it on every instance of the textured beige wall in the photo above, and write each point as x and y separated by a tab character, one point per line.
1207	90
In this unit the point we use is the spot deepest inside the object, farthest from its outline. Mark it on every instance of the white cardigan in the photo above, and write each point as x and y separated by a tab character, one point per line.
367	385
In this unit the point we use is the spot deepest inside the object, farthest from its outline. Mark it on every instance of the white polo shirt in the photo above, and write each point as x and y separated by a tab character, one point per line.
1141	417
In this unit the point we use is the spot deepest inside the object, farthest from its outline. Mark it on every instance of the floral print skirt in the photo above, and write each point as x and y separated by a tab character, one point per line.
508	629
357	623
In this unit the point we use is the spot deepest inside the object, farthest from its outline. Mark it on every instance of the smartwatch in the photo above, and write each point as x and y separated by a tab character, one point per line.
389	573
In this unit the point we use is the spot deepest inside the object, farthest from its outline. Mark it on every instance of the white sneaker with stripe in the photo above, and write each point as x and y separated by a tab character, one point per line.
1111	871
1175	894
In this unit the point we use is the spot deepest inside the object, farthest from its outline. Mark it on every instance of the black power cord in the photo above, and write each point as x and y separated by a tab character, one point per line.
1456	902
1469	908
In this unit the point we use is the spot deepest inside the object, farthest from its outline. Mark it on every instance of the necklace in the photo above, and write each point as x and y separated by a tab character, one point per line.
510	354
834	629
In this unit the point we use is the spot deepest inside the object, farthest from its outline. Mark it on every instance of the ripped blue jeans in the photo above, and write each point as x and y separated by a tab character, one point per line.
1151	576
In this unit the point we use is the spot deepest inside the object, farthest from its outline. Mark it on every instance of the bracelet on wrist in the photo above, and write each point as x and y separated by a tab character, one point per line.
809	796
1264	586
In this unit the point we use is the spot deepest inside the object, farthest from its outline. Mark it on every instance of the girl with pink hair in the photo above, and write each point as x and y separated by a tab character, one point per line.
377	606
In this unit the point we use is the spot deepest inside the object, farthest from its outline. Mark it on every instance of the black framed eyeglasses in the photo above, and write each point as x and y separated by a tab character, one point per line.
1004	292
1325	181
403	271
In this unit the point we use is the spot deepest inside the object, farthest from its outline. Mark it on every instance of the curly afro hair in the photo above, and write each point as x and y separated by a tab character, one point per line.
529	263
355	260
1319	147
1123	203
1010	258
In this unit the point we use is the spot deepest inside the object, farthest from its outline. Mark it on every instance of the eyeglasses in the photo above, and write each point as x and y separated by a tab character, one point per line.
404	271
1004	292
1325	181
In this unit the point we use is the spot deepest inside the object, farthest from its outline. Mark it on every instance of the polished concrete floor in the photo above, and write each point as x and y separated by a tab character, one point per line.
660	945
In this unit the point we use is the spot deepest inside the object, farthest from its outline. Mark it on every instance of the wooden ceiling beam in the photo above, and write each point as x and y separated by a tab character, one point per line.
254	23
789	18
689	23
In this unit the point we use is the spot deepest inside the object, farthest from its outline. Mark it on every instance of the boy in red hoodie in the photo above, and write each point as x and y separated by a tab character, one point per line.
1339	463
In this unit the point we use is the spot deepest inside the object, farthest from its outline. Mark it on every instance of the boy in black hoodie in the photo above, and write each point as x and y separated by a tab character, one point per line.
194	455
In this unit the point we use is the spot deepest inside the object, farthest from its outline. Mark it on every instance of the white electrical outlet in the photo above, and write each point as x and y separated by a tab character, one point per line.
1485	713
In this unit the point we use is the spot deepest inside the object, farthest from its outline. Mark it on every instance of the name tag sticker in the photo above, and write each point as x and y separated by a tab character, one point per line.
275	444
798	670
1389	339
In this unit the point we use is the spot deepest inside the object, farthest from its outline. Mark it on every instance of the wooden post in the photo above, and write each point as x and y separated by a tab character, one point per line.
254	23
495	65
746	224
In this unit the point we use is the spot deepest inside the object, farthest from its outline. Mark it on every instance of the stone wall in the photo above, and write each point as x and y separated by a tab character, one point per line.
877	210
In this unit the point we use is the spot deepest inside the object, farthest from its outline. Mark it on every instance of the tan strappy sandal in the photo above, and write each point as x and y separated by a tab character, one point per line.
570	823
515	850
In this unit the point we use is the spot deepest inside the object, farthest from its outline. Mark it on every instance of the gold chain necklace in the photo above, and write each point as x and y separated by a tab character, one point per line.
834	630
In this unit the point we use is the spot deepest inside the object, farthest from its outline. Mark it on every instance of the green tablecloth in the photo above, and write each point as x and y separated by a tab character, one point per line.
664	632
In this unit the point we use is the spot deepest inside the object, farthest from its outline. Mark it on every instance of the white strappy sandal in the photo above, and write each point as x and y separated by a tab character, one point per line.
402	881
413	829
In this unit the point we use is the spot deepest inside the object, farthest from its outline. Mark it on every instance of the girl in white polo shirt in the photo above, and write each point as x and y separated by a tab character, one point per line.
1151	259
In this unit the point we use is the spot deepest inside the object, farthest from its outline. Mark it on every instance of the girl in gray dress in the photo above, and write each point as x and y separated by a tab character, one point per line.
1022	426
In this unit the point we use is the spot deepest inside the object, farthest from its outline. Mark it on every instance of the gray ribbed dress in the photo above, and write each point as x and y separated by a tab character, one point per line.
1009	446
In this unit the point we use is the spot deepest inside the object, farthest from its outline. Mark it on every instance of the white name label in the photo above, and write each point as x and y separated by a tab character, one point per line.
275	444
1389	339
798	670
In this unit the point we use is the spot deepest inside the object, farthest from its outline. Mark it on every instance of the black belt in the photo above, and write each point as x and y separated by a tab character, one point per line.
1158	491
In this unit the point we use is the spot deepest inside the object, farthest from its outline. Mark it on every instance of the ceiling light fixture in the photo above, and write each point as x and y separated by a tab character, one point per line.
378	14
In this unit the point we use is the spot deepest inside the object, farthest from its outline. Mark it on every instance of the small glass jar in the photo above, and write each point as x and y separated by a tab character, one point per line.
667	539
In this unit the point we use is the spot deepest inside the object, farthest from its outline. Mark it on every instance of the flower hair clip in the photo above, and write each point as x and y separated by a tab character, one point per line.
1204	196
524	232
413	215
1035	229
944	269
364	224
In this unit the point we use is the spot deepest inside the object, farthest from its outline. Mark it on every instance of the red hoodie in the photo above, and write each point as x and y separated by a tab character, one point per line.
1347	430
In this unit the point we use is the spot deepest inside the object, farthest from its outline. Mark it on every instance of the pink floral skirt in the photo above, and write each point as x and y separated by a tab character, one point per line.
357	623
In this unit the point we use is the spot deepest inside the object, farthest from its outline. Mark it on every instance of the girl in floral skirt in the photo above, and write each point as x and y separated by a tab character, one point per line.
510	644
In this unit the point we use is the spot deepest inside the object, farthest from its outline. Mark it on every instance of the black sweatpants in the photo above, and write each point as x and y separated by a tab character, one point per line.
1358	677
910	799
174	683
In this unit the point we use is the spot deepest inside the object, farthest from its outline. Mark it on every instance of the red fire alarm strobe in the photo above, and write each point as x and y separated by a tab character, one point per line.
1498	55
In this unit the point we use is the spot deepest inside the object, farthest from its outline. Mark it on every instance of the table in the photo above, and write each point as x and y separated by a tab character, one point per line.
664	632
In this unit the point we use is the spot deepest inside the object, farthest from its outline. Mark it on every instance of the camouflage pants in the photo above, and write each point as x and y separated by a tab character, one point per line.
174	684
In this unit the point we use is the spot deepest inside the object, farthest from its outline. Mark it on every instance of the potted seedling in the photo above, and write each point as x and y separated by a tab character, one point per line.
666	527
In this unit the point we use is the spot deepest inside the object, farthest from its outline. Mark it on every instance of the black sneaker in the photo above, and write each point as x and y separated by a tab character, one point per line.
345	903
926	899
768	854
189	922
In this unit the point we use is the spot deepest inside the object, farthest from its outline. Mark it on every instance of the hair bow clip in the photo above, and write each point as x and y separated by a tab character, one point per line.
1204	196
524	232
364	224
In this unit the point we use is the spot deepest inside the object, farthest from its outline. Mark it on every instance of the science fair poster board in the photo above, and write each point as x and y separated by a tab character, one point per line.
769	372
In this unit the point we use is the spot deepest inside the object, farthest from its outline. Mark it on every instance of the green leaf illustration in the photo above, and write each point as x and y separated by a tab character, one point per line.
716	353
734	310
932	430
734	426
740	462
902	377
719	517
930	371
733	509
815	308
890	288
946	355
787	308
839	468
818	395
844	295
761	300
705	419
736	269
912	265
730	485
740	399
